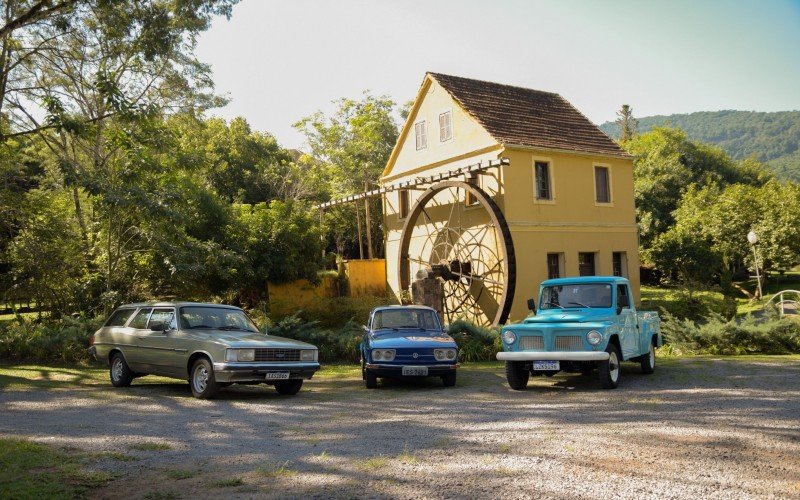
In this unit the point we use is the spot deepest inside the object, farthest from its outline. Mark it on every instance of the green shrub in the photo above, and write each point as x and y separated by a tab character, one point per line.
66	340
716	335
475	343
334	344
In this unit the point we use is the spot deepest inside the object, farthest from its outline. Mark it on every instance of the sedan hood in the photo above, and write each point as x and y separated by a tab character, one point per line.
411	338
251	339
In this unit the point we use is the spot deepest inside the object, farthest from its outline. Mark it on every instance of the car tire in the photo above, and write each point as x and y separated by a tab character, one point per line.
289	387
608	371
517	374
370	379
449	380
202	381
649	360
120	373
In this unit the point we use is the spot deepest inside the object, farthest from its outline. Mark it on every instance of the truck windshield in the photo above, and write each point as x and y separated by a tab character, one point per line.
576	296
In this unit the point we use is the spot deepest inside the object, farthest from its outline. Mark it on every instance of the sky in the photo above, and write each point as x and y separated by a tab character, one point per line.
279	61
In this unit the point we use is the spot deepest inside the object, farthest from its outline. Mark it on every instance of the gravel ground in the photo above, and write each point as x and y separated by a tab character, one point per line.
698	427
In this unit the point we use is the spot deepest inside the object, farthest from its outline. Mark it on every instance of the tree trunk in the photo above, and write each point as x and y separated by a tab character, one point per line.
358	222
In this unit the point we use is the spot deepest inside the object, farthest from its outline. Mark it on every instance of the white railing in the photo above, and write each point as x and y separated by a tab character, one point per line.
784	303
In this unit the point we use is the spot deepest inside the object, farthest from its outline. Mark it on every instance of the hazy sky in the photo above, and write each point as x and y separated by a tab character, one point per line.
279	61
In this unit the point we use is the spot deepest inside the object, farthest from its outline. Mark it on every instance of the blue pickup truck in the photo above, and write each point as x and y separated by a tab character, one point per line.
583	324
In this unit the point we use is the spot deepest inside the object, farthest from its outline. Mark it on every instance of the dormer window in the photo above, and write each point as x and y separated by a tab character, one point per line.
445	126
421	135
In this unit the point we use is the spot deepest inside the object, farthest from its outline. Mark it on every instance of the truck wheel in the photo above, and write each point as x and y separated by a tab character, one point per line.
608	371
517	375
649	361
202	381
449	380
121	375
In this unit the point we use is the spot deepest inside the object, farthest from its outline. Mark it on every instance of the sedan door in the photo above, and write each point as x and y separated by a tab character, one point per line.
159	341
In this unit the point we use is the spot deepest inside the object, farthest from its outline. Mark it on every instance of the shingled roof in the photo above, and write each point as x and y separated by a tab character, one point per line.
527	117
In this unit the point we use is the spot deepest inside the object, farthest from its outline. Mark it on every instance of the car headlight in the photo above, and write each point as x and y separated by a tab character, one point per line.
308	355
383	355
444	354
240	355
594	337
509	337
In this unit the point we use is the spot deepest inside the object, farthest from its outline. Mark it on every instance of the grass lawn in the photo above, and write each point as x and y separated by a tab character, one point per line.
34	470
657	298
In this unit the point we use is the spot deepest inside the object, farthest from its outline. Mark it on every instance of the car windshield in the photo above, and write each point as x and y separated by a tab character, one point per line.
418	319
220	318
576	296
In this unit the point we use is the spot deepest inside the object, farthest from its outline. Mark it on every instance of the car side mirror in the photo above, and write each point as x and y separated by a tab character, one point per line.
532	305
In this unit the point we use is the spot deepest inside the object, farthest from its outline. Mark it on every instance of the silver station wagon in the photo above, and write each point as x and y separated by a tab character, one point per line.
210	345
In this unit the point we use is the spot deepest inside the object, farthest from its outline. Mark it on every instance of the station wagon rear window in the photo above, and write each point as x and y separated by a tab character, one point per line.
140	320
120	317
576	296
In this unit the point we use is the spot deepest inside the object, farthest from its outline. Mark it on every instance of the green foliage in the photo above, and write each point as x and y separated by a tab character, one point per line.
475	343
57	341
334	344
717	335
684	256
355	144
667	164
773	138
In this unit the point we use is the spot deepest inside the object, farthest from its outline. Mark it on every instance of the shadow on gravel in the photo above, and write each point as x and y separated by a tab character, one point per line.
337	431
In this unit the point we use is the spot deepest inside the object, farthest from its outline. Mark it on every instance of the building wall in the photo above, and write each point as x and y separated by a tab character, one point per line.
572	223
569	224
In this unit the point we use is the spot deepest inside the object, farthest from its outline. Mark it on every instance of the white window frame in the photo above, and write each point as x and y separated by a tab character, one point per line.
448	112
610	202
551	174
421	126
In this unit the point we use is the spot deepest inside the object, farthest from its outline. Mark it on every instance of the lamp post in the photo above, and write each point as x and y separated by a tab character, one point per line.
752	237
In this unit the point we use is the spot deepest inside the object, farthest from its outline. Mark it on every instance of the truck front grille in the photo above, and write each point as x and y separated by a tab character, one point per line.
569	343
277	355
531	343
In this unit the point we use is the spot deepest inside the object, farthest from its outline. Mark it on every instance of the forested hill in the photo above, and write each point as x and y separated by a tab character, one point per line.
773	138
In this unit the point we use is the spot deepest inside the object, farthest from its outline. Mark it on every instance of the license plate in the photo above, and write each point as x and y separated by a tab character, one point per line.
546	365
277	376
415	371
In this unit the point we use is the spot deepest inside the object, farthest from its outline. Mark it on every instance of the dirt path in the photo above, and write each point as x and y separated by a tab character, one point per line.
696	428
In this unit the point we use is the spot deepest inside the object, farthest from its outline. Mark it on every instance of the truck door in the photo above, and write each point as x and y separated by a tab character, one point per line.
629	329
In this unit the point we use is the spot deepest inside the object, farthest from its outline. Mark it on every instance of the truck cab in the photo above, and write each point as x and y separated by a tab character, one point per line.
582	324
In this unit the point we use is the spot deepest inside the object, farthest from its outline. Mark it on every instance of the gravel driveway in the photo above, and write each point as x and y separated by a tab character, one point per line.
698	427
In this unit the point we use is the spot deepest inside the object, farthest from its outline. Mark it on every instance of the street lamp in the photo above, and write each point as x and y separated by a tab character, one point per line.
752	237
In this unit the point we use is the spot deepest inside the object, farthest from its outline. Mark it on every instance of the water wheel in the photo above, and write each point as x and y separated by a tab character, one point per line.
456	233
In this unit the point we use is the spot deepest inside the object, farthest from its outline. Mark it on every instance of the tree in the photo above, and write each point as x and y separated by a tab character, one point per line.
356	142
667	163
686	257
627	123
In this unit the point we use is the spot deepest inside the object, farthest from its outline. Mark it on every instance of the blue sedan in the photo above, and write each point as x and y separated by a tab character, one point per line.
407	341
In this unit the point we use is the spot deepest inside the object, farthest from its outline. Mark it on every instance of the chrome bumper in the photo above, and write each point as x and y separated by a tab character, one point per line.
553	356
376	366
253	372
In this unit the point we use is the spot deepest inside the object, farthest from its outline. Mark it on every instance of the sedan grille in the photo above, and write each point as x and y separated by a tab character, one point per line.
569	343
277	355
531	343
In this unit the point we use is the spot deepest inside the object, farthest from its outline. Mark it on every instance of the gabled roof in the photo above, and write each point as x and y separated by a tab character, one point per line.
527	117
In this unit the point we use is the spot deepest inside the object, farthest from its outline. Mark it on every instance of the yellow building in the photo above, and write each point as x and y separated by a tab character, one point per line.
563	189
